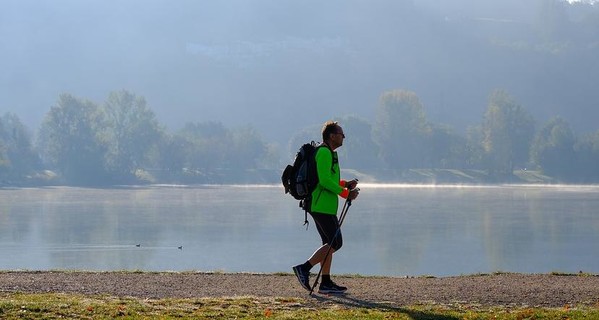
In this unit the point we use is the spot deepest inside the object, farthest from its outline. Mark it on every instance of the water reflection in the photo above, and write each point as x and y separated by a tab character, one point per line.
389	230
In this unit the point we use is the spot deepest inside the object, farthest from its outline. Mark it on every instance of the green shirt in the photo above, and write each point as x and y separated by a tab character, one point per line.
325	198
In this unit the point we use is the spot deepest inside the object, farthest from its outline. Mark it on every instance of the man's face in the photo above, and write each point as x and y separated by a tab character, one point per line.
337	137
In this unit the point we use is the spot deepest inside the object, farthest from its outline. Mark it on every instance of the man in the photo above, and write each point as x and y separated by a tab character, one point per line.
323	207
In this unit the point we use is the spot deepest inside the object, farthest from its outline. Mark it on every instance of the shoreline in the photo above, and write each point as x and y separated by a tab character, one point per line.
426	176
499	289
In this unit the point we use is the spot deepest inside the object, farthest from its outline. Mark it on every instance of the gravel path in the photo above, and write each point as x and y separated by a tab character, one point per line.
517	290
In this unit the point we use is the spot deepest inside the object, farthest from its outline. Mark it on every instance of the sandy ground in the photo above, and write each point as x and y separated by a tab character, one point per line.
516	290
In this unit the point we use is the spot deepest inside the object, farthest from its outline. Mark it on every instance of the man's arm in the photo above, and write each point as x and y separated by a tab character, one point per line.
324	163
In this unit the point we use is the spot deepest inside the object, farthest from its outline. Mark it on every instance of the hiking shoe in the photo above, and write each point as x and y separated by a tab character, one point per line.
331	288
303	276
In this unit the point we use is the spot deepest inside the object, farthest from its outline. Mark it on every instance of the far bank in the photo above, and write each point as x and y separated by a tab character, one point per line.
273	176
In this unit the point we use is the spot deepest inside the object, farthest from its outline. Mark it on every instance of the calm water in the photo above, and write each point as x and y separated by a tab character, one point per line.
389	230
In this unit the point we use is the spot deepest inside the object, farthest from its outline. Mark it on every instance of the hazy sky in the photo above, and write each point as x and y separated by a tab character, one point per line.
259	62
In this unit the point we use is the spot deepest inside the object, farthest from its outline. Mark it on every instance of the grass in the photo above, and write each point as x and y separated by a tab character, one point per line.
55	306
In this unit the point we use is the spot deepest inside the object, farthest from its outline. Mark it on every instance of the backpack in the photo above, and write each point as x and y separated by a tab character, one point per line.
301	178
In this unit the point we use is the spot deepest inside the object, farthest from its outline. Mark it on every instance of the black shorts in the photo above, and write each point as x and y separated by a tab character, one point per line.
327	225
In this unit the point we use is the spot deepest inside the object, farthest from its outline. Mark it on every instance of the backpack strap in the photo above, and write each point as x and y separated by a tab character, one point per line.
304	205
323	144
306	222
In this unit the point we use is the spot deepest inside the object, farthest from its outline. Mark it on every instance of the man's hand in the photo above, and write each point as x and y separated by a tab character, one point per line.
352	184
353	194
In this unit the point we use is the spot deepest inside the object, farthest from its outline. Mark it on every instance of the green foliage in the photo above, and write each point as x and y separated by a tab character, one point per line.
507	132
447	149
310	133
68	140
130	133
587	151
553	148
17	156
475	152
93	145
560	154
247	148
172	155
359	150
207	145
89	144
123	142
210	147
401	129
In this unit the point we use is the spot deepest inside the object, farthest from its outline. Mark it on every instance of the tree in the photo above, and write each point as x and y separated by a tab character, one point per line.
247	150
130	133
5	161
69	141
171	154
474	147
212	149
17	155
207	144
553	149
305	135
447	149
587	153
401	129
359	150
507	132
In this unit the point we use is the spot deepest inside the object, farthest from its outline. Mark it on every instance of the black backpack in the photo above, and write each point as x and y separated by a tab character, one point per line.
301	178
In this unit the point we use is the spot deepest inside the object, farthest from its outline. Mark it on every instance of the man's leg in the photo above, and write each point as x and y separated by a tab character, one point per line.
330	233
328	229
319	257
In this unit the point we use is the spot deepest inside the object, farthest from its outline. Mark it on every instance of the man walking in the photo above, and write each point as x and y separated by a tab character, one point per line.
323	206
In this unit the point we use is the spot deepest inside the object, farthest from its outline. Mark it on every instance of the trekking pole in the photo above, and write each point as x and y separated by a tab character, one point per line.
344	210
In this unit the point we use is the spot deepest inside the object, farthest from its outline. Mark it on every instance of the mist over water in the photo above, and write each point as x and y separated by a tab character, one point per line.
391	230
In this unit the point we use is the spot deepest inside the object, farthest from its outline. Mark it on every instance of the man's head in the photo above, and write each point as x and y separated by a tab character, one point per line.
332	134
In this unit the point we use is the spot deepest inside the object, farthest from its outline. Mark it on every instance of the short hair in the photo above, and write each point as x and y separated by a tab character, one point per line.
328	128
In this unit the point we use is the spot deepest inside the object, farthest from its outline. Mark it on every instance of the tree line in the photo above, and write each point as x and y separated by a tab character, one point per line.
121	141
507	139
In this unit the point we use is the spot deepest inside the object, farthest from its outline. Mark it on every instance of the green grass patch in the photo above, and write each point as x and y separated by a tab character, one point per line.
61	306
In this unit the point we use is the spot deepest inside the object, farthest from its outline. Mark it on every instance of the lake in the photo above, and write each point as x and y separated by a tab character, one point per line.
393	230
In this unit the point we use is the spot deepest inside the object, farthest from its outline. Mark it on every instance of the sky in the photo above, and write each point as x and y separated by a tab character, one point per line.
283	65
